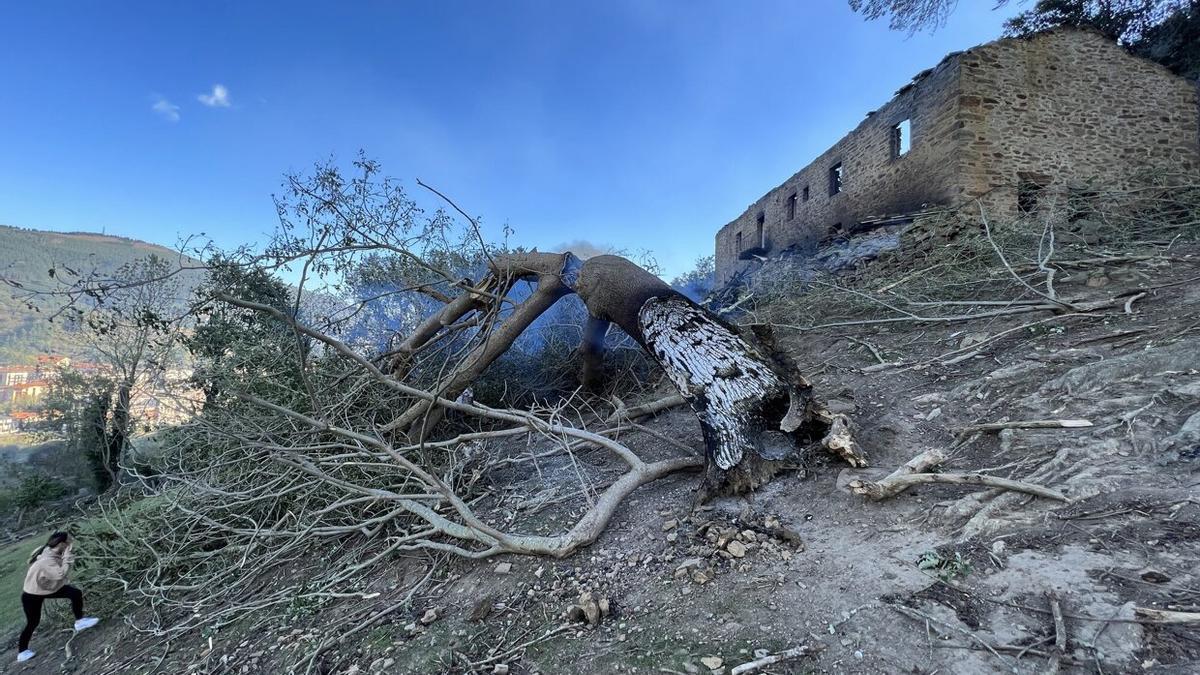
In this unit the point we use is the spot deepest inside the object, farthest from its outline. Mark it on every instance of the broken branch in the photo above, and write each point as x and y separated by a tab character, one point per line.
651	408
1026	424
758	664
893	486
1165	615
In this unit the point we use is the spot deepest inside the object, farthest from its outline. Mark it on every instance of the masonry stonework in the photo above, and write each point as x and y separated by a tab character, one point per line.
1067	109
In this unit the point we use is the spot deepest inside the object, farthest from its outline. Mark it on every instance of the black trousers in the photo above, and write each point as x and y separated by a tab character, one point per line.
32	604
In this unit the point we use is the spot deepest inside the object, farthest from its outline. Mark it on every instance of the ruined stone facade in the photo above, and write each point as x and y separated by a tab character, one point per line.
1063	110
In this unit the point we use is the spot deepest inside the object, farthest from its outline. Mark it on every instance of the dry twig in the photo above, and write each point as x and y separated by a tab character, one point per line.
785	655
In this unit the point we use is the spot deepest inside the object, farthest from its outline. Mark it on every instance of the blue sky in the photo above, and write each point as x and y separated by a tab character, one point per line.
634	124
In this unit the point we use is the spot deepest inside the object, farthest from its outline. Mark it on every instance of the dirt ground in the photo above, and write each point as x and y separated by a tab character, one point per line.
940	579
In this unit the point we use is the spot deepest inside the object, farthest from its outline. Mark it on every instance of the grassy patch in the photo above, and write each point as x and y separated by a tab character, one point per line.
14	561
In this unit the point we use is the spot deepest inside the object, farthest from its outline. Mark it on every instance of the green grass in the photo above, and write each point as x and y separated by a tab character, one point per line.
14	561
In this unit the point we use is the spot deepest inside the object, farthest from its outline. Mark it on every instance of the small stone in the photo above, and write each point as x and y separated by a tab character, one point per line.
1155	577
736	549
669	525
700	577
429	617
500	669
682	568
504	568
672	538
712	662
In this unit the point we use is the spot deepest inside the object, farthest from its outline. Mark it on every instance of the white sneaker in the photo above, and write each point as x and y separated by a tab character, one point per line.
26	655
86	623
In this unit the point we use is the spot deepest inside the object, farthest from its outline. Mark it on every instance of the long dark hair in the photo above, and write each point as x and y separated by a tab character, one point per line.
54	540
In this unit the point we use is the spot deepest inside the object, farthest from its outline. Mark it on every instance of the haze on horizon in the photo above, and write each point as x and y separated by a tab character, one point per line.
632	125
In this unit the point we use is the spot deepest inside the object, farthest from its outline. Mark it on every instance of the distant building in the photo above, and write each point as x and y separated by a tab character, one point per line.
1004	122
11	375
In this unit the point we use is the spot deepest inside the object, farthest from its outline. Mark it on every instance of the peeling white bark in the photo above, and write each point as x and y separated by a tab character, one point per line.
715	369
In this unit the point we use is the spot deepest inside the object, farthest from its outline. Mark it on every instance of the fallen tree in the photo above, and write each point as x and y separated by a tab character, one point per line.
342	424
753	411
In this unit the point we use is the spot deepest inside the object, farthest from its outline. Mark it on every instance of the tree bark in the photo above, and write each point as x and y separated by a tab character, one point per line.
754	416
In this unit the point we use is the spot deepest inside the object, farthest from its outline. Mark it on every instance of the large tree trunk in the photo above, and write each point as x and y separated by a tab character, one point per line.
755	414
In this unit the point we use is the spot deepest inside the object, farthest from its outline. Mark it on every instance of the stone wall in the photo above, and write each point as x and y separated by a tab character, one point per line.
1070	110
873	181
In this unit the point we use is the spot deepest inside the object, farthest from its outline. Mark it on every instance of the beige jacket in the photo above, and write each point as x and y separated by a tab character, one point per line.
49	572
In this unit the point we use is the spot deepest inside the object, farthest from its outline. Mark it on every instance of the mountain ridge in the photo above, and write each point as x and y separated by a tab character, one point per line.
26	257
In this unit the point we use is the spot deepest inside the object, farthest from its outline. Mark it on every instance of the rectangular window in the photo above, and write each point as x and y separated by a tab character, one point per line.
762	237
805	193
737	242
835	179
791	206
901	139
1029	190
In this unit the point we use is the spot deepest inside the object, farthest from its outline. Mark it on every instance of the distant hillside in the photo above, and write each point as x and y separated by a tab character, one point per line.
26	256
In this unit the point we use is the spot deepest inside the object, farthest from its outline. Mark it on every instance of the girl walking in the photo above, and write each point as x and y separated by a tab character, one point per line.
47	578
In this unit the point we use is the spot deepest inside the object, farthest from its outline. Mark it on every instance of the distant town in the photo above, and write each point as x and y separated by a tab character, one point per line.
25	387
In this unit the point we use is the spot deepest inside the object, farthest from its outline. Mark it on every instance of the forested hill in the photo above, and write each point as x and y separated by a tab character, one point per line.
26	257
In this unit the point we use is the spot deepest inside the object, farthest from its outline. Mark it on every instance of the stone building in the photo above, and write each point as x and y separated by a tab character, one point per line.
1002	122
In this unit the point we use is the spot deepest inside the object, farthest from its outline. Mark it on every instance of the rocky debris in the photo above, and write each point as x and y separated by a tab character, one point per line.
500	669
712	662
382	664
429	617
504	568
588	609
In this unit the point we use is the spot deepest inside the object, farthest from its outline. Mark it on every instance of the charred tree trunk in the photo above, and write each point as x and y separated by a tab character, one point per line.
755	414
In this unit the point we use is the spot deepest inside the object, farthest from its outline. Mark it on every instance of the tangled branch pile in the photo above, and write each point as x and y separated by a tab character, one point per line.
968	264
337	426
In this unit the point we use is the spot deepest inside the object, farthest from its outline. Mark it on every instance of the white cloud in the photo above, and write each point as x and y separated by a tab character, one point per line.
169	111
219	98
